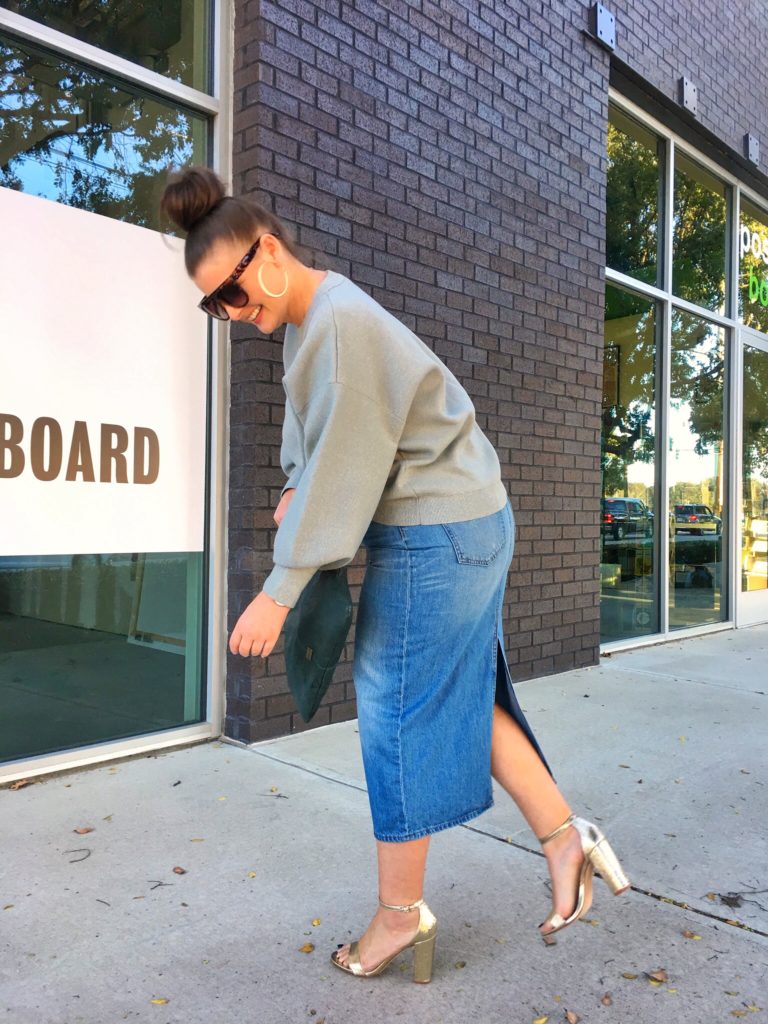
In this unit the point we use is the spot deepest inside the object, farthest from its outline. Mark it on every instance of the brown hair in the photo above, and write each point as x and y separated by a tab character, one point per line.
196	201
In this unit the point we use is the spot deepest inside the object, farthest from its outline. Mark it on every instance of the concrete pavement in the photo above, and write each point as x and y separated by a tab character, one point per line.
664	747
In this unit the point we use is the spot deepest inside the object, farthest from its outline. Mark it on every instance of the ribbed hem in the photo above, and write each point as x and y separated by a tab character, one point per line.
285	585
451	508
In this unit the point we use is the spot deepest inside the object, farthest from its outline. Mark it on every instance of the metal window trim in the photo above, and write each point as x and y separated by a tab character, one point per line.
68	46
218	454
97	754
689	633
726	176
651	292
665	387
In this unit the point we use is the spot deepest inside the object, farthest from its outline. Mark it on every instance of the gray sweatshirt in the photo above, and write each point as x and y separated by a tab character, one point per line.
376	428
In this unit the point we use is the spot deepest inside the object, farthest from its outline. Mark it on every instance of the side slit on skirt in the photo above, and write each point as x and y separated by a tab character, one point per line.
505	694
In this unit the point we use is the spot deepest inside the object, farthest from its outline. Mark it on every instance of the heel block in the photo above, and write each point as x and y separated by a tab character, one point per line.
423	959
608	866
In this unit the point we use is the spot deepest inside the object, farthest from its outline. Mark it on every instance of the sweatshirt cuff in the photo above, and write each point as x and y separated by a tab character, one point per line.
292	481
285	585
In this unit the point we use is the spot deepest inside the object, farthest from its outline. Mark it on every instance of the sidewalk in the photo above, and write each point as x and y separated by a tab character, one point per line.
664	747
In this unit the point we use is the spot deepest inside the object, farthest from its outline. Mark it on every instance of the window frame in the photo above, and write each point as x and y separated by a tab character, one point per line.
217	106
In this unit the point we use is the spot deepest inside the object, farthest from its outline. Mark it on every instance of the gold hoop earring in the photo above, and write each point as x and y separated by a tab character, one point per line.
272	295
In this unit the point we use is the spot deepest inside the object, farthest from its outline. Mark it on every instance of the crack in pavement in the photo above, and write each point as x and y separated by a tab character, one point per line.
731	922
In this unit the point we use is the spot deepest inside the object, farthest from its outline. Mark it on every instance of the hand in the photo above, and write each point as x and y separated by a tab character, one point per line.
282	508
258	628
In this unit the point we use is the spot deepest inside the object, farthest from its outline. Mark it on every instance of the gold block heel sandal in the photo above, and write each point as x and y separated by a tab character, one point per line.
598	856
423	947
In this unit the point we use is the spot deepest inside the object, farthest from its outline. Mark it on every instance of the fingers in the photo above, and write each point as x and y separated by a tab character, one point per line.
240	644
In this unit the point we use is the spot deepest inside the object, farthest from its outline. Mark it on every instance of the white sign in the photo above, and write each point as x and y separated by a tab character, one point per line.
102	385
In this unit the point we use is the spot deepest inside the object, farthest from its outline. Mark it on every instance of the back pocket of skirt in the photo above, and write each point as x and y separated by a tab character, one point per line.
478	541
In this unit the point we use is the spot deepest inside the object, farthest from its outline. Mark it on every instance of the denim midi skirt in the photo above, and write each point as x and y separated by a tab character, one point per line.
428	666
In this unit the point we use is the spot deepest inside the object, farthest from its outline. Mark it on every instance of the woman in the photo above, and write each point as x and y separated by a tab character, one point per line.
380	447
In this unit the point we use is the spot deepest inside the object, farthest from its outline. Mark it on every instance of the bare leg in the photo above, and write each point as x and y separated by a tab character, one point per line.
401	881
518	768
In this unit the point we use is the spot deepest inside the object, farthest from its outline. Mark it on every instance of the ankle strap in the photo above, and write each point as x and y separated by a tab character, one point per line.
410	906
557	831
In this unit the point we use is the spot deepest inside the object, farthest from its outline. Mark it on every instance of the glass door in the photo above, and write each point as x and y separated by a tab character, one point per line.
753	525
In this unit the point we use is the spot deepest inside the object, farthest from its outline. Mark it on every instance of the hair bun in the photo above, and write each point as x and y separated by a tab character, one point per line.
190	194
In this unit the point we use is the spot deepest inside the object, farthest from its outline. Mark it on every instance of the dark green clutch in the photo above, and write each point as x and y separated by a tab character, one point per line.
315	632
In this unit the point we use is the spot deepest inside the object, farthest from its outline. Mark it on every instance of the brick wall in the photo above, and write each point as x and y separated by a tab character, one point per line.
452	163
720	46
450	158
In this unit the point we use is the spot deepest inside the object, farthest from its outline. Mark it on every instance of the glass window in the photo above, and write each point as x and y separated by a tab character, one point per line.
754	523
629	605
70	134
170	37
696	472
97	648
699	236
633	199
753	267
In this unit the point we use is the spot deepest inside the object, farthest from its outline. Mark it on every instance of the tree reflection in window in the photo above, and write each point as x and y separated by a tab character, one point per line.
70	134
699	236
628	409
633	199
753	266
166	36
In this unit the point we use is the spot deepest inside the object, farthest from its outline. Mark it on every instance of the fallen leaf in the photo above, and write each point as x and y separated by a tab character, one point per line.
687	934
606	1000
197	840
179	871
541	1020
221	798
656	984
752	1008
571	1017
20	783
158	1002
251	874
460	963
625	766
315	921
82	831
738	1013
673	990
307	947
744	771
659	975
711	896
8	906
590	920
628	974
731	993
274	789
